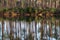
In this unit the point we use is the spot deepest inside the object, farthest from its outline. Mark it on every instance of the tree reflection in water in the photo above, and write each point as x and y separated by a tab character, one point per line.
21	31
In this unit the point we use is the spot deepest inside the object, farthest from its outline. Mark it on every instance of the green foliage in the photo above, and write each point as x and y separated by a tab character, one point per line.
29	10
52	10
57	14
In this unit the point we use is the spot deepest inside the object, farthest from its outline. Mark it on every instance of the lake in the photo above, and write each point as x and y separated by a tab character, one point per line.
22	29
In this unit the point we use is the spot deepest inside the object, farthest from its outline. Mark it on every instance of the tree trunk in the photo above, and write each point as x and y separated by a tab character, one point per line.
55	30
11	32
41	30
2	29
50	29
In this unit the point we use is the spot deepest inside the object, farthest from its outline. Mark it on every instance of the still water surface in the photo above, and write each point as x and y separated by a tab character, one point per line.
22	30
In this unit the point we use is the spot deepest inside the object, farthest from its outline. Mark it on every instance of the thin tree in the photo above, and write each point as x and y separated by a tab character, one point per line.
2	30
41	30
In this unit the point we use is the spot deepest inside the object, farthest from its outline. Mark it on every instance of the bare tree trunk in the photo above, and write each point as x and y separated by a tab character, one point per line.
20	29
55	30
2	30
15	30
11	32
50	29
50	3
59	5
41	30
55	3
18	32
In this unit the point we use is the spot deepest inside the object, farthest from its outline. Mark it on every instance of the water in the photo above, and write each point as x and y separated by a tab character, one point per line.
24	32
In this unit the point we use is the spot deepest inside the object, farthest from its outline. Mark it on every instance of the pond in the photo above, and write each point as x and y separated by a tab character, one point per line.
22	30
